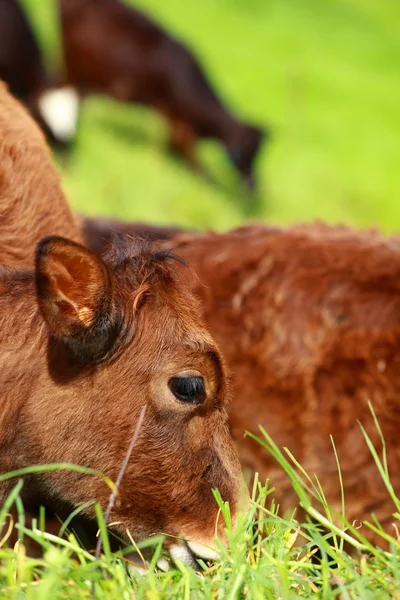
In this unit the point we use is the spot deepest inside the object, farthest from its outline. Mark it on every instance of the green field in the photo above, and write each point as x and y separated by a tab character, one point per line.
324	75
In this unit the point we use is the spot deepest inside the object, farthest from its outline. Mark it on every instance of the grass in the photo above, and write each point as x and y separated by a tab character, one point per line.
322	74
268	556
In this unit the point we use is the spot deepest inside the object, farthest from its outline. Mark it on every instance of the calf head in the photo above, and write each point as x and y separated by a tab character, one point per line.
119	334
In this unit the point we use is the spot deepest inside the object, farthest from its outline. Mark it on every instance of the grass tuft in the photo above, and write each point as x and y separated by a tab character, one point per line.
267	557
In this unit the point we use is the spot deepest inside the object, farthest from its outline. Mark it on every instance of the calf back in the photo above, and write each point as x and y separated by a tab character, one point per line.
32	203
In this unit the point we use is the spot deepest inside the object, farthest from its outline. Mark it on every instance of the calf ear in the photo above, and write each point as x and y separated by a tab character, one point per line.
74	290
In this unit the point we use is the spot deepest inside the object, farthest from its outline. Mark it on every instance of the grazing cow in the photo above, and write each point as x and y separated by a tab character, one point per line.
308	320
85	343
22	68
113	49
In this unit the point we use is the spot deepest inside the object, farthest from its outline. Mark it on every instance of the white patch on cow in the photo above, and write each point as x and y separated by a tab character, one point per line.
203	550
59	109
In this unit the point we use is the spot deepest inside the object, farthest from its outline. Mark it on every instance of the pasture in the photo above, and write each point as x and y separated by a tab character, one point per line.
324	77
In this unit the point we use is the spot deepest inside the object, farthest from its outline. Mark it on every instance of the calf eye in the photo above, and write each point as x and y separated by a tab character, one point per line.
188	389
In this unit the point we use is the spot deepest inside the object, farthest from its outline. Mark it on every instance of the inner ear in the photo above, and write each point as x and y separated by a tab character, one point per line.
78	282
74	288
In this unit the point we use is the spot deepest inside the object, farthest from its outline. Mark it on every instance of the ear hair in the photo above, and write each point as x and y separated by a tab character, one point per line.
74	290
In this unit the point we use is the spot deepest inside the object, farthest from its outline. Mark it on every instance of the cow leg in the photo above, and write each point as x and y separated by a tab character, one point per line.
182	142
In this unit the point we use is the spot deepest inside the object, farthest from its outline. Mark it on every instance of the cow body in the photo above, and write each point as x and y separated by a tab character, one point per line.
309	322
308	319
85	344
113	49
22	68
21	62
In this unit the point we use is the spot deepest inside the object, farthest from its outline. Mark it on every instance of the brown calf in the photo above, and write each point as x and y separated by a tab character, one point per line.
309	322
22	68
113	49
308	319
32	204
85	343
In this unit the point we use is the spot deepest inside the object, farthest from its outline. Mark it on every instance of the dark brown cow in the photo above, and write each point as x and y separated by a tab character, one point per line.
308	319
85	343
113	49
22	68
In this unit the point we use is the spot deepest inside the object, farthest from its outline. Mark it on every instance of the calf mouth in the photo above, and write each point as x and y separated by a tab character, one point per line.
86	529
190	552
179	552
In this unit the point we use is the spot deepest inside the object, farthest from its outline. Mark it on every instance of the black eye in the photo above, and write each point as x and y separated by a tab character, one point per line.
188	389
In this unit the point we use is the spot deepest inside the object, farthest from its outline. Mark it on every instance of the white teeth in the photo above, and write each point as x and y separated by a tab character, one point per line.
137	569
182	553
204	551
163	564
59	110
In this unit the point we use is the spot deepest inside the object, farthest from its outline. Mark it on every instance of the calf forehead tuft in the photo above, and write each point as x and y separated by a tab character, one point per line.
139	252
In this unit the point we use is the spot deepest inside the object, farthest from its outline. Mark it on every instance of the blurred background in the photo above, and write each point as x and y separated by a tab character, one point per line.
322	75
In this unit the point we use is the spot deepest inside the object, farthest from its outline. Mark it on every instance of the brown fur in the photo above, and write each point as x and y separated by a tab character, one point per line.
114	49
32	204
308	319
309	322
87	415
98	232
85	343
